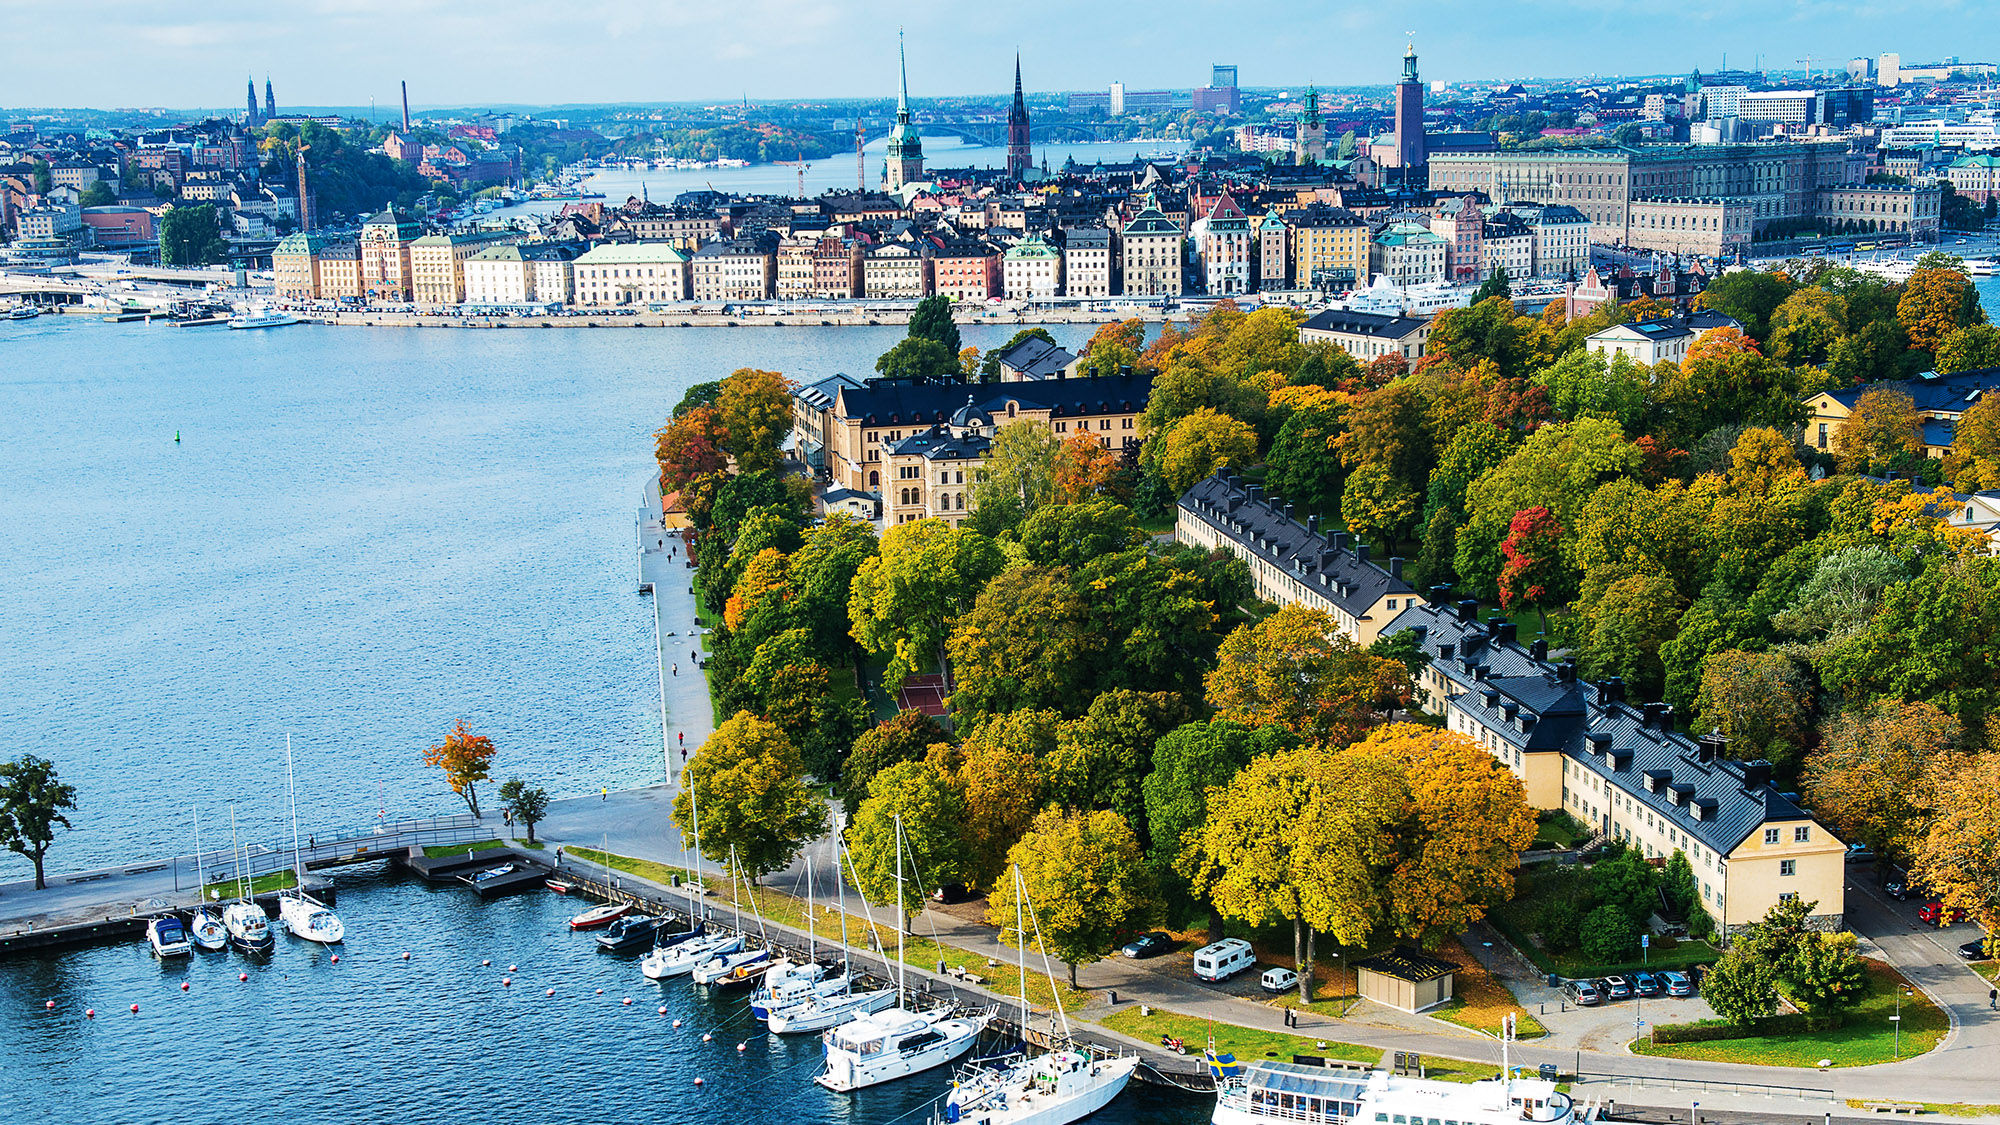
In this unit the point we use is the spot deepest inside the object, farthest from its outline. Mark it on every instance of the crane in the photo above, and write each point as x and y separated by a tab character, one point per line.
802	168
1808	60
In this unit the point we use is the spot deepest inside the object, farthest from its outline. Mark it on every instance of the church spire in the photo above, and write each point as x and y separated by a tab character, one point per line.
903	83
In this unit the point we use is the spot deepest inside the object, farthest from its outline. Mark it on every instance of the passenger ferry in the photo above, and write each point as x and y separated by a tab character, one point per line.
1269	1091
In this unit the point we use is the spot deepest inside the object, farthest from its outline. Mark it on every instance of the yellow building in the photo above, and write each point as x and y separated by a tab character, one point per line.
1940	401
633	273
385	257
340	274
437	264
295	267
1329	248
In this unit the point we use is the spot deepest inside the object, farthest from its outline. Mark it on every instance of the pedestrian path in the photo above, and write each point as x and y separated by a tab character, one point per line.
687	716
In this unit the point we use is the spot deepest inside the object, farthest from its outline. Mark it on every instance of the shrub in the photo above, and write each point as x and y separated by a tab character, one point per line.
1708	1031
1607	934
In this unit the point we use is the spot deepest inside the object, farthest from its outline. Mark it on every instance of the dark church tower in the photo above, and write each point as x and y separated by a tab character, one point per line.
1019	156
270	101
250	118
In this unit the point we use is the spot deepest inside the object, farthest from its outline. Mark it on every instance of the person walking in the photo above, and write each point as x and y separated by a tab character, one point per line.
603	793
677	668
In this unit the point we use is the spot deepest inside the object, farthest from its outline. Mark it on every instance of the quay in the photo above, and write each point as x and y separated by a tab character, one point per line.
775	317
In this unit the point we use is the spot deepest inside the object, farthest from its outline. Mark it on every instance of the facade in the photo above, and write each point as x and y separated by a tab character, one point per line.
341	276
1406	254
1329	248
1408	151
1292	563
1368	336
895	269
1223	241
1714	227
1273	242
1623	771
1562	240
1309	134
931	472
966	269
1031	268
906	150
793	268
437	264
836	265
737	270
1088	262
1507	244
295	267
636	273
385	257
499	275
1020	154
1462	225
1905	208
1977	176
1151	258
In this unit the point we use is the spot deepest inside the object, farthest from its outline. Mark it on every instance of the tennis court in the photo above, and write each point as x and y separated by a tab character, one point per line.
924	693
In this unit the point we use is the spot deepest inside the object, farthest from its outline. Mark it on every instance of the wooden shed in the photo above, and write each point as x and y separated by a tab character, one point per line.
1405	979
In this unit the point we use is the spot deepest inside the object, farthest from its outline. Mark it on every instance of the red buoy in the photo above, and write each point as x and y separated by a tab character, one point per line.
506	982
627	1001
740	1047
51	1005
336	958
485	964
512	969
406	955
135	1009
90	1013
697	1081
184	986
242	976
550	992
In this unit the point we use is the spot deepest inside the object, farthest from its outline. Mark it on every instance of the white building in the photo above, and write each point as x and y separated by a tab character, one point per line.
634	273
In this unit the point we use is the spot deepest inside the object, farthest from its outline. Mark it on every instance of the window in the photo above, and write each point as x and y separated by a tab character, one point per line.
1789	896
1801	834
1770	836
1788	867
1392	603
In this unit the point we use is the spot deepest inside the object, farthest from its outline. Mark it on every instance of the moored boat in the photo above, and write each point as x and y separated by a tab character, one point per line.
1051	1089
307	917
829	1012
249	927
559	886
895	1044
723	964
1270	1091
598	916
674	960
207	931
632	932
263	318
168	937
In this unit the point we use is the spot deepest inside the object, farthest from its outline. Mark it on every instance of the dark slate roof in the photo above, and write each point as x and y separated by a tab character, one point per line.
1260	526
1036	358
939	443
1406	964
1668	773
1363	324
1933	393
1086	238
821	394
886	402
836	495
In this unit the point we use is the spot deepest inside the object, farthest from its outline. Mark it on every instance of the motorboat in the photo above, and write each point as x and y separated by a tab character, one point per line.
829	1012
1051	1089
491	873
893	1044
600	916
307	917
168	937
805	983
723	964
1273	1091
263	318
674	960
632	932
249	927
23	312
1979	267
207	931
559	886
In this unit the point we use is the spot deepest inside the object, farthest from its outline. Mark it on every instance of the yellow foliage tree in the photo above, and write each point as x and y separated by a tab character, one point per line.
1935	303
1297	669
1087	880
1882	427
755	412
1081	468
1957	854
1200	443
1866	782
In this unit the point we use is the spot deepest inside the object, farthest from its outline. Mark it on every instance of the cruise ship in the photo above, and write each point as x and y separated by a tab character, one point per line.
1268	1091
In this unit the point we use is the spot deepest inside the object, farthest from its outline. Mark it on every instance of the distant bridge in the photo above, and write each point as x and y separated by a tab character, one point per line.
995	136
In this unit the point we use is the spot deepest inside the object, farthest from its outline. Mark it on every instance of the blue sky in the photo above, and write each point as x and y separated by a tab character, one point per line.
453	52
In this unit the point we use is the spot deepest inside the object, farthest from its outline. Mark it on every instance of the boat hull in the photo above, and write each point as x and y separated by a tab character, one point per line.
681	960
1109	1079
844	1074
823	1017
599	917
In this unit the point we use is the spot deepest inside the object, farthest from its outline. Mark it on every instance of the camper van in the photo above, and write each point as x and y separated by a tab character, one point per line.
1224	959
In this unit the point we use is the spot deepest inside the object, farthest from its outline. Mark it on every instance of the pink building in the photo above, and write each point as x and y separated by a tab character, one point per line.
120	226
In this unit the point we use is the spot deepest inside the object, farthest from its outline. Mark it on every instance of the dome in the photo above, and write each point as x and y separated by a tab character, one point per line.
970	417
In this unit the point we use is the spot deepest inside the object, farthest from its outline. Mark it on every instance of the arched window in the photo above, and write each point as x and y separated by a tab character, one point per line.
874	480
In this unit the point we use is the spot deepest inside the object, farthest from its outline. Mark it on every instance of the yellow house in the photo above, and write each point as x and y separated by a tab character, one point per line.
1940	401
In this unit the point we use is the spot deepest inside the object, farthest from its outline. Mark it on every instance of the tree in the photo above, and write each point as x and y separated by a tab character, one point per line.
904	599
697	396
1936	302
1028	641
1883	430
1002	787
1976	345
1100	759
905	736
41	176
1607	935
1761	701
1740	988
750	785
1019	475
932	320
464	757
1750	297
1841	594
1935	637
1624	881
1303	468
917	359
1497	284
1807	326
1825	977
1086	880
689	447
98	194
1625	628
32	801
1082	469
1958	854
754	409
1534	573
1866	781
1297	669
1377	504
189	236
1074	535
1559	467
1683	893
931	808
1188	762
1587	383
1115	345
528	804
1200	443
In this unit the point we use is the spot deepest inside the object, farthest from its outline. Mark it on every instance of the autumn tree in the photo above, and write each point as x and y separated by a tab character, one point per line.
32	805
754	409
1086	880
689	447
1082	469
905	599
1200	443
751	788
1957	854
905	736
1866	781
1762	702
931	808
1376	504
1533	573
1188	762
1297	669
1028	641
1019	475
464	758
1807	326
1558	468
1882	430
1115	345
1935	303
1002	788
1964	349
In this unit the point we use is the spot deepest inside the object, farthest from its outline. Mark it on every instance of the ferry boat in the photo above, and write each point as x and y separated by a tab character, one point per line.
263	318
1269	1091
1979	267
23	312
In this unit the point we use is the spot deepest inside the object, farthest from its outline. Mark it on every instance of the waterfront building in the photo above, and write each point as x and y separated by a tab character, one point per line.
1293	562
736	270
437	264
906	150
686	229
1405	254
1152	261
1034	359
1222	243
1369	336
1462	225
1913	209
616	275
1020	154
295	267
1329	248
1273	240
1975	175
1711	227
340	273
522	274
966	269
895	269
552	267
1088	262
1031	268
1507	244
836	264
792	267
385	256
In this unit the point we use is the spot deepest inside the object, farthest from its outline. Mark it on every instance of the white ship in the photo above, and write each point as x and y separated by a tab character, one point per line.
1270	1092
263	318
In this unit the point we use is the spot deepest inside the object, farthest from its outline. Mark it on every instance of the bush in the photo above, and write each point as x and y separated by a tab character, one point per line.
1607	934
1558	925
1709	1031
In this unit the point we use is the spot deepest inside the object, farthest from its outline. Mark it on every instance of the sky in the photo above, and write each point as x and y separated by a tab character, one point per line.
100	54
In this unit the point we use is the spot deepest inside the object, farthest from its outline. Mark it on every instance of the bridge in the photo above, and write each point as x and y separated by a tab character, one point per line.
995	136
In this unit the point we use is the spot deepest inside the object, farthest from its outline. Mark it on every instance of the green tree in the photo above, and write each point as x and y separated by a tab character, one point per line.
933	321
1740	988
1607	935
1200	443
41	177
1086	879
1586	383
527	803
1683	893
1302	466
822	574
751	787
1825	978
917	359
1073	535
905	736
1019	475
1187	762
1100	759
32	802
98	194
1376	504
1028	641
1624	880
1625	629
1935	638
1751	297
697	396
1807	326
189	236
1295	668
1963	349
925	576
931	807
1559	467
1497	284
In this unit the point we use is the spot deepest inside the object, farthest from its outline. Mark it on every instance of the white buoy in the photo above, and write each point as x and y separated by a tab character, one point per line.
90	1013
706	1037
485	964
513	969
506	982
406	955
52	1004
697	1081
663	1009
550	992
627	1001
242	976
600	992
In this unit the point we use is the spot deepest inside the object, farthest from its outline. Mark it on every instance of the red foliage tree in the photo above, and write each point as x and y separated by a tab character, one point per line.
1533	572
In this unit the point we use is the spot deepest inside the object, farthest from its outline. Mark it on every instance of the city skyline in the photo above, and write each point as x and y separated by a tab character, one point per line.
508	52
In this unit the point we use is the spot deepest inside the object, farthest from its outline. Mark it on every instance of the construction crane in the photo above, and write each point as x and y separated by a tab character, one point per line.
802	168
1808	60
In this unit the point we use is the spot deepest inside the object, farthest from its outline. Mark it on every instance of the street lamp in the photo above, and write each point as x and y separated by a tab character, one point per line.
1897	1020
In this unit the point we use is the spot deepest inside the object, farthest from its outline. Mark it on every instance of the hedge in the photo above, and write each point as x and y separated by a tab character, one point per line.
1708	1031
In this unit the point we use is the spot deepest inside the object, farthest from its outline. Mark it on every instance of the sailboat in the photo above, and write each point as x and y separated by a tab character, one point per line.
248	926
1056	1088
205	928
790	984
303	915
831	1009
896	1042
667	961
746	966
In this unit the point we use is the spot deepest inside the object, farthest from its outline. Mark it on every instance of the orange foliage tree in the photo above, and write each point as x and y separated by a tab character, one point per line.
1297	669
464	758
1081	469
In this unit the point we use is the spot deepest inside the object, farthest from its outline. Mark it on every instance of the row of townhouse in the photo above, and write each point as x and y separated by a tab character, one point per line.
1618	768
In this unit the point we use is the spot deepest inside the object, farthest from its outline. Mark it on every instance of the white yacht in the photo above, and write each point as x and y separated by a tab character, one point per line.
23	312
674	960
1052	1089
168	937
828	1012
249	927
724	965
788	986
1979	267
895	1044
306	917
263	318
207	931
1270	1091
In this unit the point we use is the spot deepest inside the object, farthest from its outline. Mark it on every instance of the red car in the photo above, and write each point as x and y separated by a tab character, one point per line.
1935	914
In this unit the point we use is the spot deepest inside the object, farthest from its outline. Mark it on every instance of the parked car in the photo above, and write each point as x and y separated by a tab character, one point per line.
1896	883
1645	983
1618	988
1975	950
1936	914
1584	993
1148	944
1677	983
1860	853
1278	980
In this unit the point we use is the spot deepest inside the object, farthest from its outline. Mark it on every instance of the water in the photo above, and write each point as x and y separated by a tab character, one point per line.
433	1039
364	535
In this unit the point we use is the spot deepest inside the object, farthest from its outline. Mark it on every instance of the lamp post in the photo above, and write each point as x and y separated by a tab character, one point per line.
1897	1020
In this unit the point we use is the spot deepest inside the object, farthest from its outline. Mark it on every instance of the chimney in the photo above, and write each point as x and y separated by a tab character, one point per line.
1288	511
1340	539
1614	688
1440	595
1468	609
1503	632
1539	650
1396	566
1756	775
1480	673
1312	525
1361	550
1257	492
1566	672
1125	370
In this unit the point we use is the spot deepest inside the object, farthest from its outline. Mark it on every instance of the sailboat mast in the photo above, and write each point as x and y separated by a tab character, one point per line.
1021	932
900	974
694	814
200	888
812	931
236	859
291	785
840	891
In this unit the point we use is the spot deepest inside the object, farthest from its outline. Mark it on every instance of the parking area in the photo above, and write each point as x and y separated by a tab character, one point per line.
1882	901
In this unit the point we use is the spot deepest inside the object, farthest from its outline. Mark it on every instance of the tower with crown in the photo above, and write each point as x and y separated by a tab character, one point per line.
1309	133
906	150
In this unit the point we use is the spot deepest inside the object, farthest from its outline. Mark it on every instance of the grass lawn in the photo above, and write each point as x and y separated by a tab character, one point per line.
439	851
1162	526
1868	1037
1246	1043
1480	1001
1558	829
261	885
786	910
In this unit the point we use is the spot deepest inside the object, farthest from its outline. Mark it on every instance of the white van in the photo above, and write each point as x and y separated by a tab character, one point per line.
1224	959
